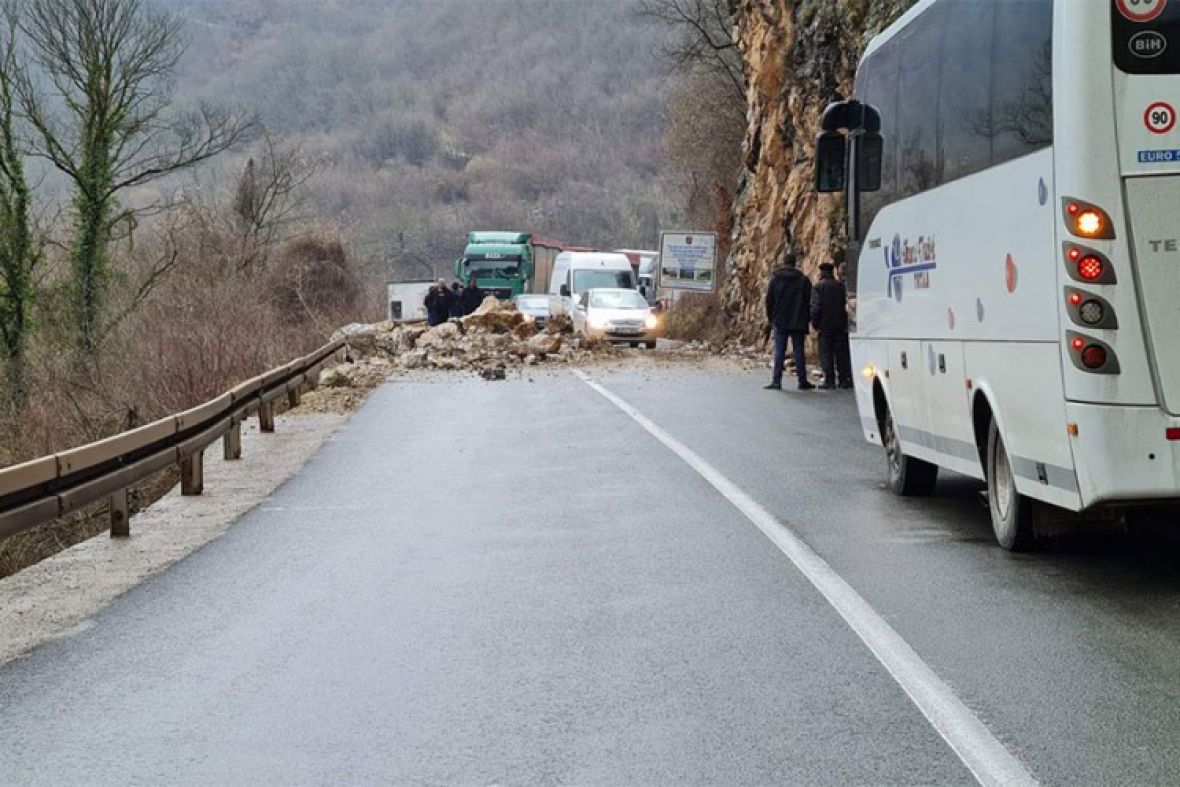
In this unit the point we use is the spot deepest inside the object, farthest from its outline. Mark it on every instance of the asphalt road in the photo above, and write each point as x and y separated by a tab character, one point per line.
514	582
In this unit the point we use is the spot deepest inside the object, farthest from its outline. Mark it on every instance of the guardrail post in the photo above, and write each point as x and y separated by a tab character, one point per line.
266	417
233	442
192	475
120	515
293	398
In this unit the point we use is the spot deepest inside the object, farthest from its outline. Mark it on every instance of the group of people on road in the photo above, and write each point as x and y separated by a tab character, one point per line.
793	307
443	302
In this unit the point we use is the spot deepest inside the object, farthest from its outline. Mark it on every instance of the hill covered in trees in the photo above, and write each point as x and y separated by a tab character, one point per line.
427	118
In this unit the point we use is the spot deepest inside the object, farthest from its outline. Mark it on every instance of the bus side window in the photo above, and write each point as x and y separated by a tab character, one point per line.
1022	93
917	107
964	103
879	77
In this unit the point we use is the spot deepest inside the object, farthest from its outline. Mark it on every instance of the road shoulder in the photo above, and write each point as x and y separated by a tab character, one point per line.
57	596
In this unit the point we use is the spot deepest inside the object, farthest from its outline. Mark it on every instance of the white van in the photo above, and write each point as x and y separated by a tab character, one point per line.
576	272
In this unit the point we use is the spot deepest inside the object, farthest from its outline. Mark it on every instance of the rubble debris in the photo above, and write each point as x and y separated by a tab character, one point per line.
488	342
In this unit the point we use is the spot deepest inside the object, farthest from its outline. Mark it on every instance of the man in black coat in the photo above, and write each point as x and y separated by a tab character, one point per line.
472	297
829	315
438	303
787	301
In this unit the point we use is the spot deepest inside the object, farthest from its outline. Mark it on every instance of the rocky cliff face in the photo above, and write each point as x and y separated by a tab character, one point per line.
799	55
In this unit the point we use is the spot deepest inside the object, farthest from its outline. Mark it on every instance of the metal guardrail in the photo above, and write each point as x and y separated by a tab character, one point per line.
44	489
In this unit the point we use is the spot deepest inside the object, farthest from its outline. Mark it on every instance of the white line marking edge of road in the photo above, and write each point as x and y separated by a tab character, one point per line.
985	756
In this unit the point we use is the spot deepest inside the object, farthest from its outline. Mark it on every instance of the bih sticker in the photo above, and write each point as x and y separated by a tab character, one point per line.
1141	10
1160	118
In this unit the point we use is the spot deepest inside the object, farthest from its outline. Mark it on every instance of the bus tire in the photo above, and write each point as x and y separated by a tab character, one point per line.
1011	512
908	476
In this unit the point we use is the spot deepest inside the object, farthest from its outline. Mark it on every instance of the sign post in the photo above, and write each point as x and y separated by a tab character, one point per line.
688	261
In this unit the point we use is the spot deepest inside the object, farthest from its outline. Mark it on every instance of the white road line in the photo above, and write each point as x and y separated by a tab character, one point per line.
983	754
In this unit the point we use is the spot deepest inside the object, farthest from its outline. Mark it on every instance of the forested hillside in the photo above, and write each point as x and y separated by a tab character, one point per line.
431	117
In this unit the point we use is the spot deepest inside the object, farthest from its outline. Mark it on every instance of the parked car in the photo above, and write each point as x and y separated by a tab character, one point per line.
539	308
617	315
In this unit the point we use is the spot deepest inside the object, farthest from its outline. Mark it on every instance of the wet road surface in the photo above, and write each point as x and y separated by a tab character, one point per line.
516	583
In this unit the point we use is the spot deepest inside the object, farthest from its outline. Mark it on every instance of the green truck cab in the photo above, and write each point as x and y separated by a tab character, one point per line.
507	264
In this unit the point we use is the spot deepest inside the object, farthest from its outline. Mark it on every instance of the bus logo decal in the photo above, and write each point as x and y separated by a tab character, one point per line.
903	258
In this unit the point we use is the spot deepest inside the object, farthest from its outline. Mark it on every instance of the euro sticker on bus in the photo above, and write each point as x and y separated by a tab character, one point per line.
1159	156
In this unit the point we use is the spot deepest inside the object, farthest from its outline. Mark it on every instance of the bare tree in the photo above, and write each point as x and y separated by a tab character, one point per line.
269	198
20	249
704	40
105	122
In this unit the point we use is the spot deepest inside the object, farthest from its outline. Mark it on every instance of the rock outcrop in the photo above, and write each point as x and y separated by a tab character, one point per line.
799	55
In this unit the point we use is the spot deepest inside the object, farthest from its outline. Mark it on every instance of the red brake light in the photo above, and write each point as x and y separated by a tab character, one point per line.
1173	434
1091	268
1075	254
1094	357
1078	343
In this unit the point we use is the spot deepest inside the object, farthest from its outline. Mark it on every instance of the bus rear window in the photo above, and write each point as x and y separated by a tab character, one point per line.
1144	44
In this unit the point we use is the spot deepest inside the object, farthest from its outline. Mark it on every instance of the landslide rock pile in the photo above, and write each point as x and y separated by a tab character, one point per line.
489	342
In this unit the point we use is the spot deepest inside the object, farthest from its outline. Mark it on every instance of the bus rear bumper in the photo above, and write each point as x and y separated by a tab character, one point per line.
1123	455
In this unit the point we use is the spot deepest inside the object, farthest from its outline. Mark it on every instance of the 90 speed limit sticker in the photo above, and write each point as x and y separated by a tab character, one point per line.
1160	118
1141	10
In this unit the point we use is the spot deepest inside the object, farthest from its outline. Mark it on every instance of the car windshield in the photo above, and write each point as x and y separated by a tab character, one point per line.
617	299
589	280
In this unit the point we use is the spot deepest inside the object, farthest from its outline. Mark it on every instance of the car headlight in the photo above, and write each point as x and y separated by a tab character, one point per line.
652	322
597	323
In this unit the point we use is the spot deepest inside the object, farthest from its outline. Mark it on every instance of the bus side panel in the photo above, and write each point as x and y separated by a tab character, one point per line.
951	432
1024	387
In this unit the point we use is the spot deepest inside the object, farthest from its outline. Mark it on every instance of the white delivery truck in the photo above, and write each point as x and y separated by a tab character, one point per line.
1012	173
407	300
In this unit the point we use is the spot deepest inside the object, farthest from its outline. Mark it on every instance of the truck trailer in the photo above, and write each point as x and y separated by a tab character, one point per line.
507	264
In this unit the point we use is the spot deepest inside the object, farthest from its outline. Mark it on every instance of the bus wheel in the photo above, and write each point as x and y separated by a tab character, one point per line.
1012	512
907	476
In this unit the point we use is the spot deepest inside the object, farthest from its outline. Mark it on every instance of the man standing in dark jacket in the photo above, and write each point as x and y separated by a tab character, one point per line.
787	300
829	315
472	297
438	303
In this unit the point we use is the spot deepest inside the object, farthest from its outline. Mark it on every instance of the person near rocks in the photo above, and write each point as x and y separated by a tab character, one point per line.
457	301
472	297
787	299
829	316
438	303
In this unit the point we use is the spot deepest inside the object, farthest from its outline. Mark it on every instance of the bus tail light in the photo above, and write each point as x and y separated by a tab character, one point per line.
1089	310
1088	266
1173	433
1087	220
1091	355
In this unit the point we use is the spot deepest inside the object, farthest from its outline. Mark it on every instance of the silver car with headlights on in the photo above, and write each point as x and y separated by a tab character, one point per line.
617	315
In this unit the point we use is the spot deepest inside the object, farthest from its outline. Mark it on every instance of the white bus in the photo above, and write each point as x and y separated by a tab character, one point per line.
1018	269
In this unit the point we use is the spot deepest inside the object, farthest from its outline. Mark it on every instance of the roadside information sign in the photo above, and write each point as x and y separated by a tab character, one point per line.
688	261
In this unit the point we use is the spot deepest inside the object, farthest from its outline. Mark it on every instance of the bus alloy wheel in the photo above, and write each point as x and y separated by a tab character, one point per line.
908	476
1011	512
